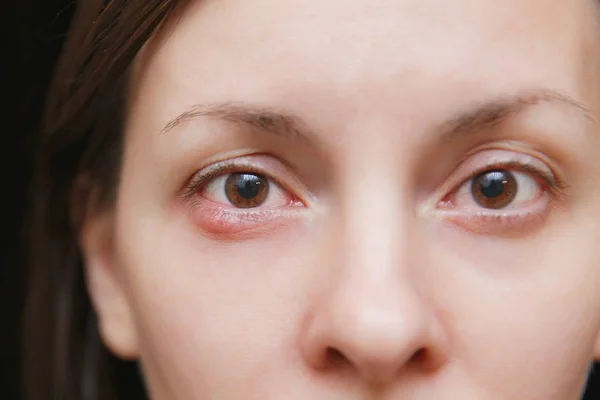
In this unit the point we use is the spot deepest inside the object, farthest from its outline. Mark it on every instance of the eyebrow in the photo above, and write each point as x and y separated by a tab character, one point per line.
280	123
266	119
493	113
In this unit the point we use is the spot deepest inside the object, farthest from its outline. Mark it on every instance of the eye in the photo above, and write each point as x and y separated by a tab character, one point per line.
246	190
498	189
501	193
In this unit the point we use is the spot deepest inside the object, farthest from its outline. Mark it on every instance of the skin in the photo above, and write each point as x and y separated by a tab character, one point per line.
370	272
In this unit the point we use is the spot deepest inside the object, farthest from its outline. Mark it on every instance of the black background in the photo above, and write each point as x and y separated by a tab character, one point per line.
33	31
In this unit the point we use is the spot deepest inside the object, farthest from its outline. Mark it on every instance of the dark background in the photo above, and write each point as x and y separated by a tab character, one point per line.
33	31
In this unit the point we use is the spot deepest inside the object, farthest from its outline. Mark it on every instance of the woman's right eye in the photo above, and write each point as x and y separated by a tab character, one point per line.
246	190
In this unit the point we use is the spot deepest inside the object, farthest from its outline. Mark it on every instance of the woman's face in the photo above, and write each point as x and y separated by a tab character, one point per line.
359	199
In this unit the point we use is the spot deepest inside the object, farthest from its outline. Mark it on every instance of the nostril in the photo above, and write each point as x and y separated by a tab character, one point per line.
419	357
336	357
425	360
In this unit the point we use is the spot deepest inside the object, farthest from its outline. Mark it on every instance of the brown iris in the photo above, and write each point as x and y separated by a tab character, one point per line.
494	189
246	190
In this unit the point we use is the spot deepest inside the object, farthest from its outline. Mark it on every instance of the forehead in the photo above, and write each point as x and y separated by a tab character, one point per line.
390	51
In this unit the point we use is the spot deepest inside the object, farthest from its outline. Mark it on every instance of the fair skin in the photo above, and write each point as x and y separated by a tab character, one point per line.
377	264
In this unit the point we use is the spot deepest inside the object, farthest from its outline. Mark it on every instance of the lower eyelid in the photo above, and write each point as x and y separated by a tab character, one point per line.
500	225
499	222
221	220
538	203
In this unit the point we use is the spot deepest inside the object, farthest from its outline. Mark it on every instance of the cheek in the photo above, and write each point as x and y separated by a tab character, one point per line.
521	312
204	305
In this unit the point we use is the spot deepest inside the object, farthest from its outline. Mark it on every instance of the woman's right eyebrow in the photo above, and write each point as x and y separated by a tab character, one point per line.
261	118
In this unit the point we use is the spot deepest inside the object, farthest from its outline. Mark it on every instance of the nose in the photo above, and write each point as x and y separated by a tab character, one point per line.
372	316
375	333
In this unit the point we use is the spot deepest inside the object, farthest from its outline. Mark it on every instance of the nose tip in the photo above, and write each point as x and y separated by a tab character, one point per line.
377	349
375	340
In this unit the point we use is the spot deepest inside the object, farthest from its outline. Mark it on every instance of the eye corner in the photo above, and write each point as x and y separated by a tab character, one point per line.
445	203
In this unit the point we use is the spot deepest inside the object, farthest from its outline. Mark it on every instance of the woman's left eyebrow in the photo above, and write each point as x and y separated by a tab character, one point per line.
497	111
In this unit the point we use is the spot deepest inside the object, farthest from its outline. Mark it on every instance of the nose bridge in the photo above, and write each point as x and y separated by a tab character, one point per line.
374	218
378	232
376	210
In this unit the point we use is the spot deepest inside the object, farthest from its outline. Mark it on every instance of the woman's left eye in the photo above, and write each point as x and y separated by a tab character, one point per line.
246	190
497	189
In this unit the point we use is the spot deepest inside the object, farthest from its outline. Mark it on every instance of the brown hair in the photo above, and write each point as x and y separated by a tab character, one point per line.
81	137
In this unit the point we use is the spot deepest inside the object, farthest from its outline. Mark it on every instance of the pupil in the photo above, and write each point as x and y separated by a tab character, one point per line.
492	184
248	186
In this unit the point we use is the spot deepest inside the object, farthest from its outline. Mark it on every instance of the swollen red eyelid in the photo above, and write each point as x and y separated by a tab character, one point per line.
232	224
